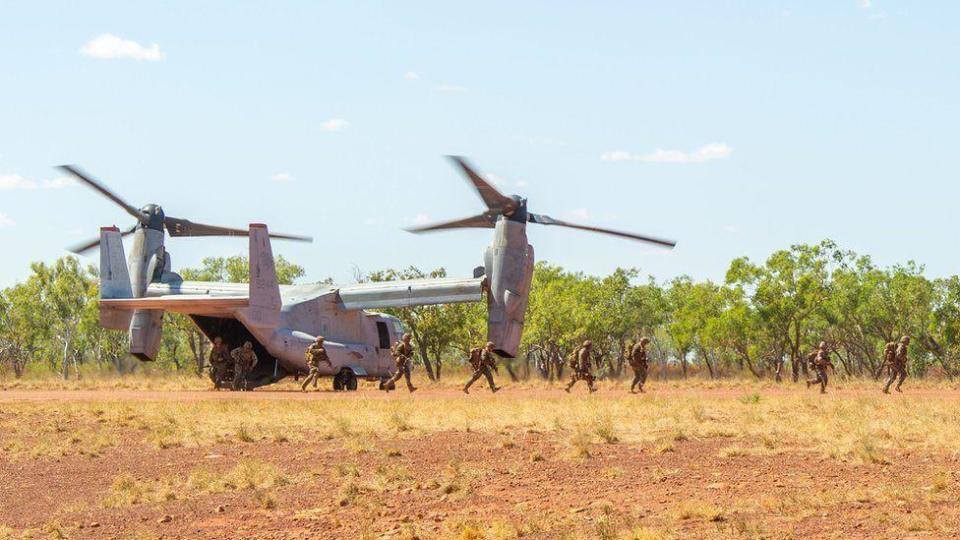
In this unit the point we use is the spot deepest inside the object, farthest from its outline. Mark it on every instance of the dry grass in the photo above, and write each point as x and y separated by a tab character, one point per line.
257	476
859	428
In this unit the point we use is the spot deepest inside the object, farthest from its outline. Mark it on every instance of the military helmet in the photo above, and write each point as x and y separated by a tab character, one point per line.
247	345
905	339
588	343
319	339
644	340
407	337
489	345
823	344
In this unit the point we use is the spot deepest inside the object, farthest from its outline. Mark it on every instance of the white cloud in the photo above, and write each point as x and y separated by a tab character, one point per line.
281	177
411	76
15	181
451	88
865	4
111	47
335	124
732	229
707	152
58	183
9	182
6	221
421	219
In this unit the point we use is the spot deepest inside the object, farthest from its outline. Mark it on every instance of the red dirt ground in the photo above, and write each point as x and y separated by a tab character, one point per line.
531	487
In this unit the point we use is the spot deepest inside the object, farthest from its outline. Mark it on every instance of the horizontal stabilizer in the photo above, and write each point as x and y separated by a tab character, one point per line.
418	292
191	304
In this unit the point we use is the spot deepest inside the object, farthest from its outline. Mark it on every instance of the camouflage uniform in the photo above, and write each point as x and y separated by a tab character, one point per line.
403	356
582	368
638	361
483	361
219	359
898	365
244	360
315	355
819	363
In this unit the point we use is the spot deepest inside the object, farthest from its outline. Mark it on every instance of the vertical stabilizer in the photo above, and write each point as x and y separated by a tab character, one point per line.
264	310
114	278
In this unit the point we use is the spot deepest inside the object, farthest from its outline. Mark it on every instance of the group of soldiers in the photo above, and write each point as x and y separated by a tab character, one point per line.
484	364
894	359
581	365
234	366
231	367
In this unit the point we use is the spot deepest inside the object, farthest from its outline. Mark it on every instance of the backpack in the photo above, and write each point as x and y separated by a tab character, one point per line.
475	357
575	359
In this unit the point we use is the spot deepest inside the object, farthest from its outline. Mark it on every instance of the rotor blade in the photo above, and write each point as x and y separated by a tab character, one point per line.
185	227
72	169
484	221
547	220
79	249
491	197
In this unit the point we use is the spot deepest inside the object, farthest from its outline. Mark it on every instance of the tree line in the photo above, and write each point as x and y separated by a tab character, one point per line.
759	322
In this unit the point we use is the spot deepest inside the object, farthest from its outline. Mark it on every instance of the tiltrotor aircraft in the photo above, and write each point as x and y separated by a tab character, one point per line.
281	321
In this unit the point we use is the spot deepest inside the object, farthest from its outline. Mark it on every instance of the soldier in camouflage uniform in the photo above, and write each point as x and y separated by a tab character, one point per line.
898	365
244	360
219	360
638	361
403	356
315	355
582	369
889	353
482	361
819	364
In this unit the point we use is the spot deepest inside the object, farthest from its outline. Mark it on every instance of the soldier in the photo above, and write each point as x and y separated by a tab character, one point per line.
219	359
898	365
819	362
403	356
482	360
638	361
581	367
244	360
316	355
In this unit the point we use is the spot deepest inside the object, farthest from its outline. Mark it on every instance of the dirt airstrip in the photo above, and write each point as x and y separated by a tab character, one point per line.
524	463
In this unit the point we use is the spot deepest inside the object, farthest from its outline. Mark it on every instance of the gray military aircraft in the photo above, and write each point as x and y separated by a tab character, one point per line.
282	321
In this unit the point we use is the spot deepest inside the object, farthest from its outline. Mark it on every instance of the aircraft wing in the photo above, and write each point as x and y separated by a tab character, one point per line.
187	303
417	292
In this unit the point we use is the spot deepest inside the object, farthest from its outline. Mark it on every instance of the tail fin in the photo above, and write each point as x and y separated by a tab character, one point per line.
265	300
114	278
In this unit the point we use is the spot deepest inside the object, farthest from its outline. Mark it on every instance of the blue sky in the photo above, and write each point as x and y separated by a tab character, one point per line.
736	128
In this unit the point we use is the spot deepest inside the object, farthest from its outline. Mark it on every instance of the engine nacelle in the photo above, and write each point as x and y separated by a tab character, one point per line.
509	268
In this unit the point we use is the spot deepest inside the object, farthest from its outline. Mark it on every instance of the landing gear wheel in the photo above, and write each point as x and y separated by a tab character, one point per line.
345	380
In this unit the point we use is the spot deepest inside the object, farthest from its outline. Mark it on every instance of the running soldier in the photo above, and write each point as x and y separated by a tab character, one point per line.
244	360
483	361
638	361
403	356
898	367
581	365
219	362
316	355
819	364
